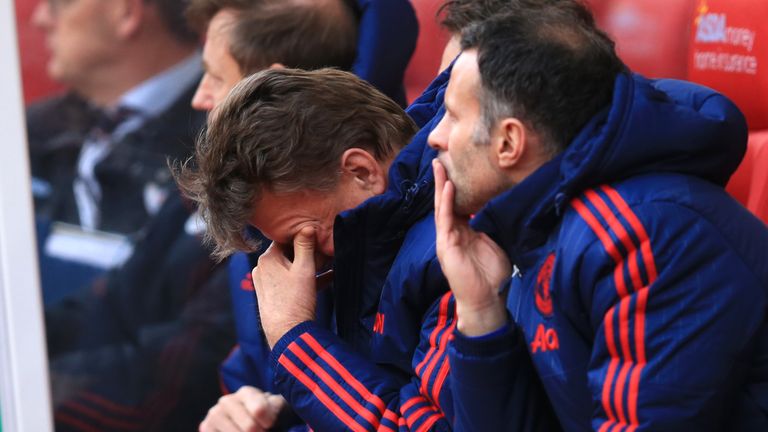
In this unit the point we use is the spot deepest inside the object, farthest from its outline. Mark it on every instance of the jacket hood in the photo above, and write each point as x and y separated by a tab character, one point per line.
410	190
414	162
657	126
662	126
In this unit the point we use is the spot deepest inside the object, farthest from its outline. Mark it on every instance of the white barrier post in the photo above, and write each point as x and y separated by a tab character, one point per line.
24	386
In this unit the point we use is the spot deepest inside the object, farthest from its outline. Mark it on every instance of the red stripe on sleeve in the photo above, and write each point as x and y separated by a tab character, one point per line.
604	427
621	233
440	380
320	394
391	416
619	395
624	336
419	413
384	428
439	354
411	402
597	228
441	322
608	244
642	298
343	372
634	384
416	415
634	222
609	376
429	422
339	390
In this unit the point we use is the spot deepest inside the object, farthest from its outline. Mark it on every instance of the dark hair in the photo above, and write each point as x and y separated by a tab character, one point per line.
285	130
304	34
172	16
549	66
455	15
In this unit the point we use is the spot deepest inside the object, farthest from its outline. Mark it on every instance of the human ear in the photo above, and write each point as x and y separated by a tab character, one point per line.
277	66
510	143
364	170
451	51
127	16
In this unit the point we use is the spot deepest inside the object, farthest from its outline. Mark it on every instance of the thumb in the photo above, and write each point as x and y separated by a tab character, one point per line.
276	403
304	247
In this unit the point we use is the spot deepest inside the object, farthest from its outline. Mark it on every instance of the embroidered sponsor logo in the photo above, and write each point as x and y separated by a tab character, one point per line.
545	340
543	297
378	323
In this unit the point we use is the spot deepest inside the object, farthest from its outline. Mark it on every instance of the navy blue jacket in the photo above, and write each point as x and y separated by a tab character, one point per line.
640	285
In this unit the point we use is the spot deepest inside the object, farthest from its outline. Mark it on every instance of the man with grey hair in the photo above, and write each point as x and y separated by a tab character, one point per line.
240	40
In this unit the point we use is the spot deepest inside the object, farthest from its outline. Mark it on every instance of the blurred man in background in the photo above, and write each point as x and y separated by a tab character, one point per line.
138	348
99	152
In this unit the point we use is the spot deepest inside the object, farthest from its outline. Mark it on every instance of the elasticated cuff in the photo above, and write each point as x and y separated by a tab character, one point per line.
287	339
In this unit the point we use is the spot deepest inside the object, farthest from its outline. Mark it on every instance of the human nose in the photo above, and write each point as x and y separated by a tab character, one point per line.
437	139
42	16
203	99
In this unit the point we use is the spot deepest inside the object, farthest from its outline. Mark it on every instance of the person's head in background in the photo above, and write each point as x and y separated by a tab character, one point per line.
101	49
289	149
457	15
246	36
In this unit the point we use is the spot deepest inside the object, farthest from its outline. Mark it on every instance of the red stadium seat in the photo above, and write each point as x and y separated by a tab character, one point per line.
425	62
727	50
598	8
741	182
33	53
758	191
651	35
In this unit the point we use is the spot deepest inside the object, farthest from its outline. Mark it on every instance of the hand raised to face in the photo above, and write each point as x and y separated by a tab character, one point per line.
474	265
286	290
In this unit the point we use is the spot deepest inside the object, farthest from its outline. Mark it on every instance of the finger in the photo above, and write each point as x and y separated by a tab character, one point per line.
250	397
244	420
304	248
439	172
275	253
265	257
276	405
218	420
277	402
261	411
235	406
444	218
